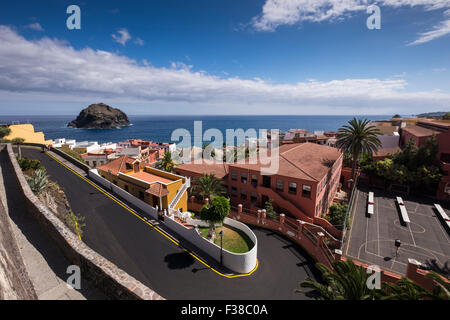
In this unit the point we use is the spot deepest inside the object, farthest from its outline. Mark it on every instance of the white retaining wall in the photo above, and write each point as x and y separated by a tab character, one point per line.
122	193
237	262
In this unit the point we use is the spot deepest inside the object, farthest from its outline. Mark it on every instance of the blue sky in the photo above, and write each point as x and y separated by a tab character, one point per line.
218	57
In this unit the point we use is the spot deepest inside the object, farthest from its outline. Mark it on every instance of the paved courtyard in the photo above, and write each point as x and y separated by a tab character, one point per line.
371	239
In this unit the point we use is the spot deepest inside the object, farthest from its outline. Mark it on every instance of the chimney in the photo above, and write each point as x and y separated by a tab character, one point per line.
136	166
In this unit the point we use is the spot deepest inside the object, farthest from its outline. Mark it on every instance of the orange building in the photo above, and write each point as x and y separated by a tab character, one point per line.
155	187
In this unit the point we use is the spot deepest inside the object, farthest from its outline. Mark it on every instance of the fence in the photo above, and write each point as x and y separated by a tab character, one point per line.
349	209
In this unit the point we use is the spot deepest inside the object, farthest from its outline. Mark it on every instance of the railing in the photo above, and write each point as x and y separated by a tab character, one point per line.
349	209
328	252
310	235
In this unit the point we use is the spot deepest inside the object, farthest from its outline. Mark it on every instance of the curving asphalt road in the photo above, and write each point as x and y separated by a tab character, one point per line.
151	258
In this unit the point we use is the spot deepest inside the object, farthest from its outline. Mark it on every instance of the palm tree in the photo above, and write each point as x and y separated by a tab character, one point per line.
358	137
166	163
18	142
208	186
405	289
347	282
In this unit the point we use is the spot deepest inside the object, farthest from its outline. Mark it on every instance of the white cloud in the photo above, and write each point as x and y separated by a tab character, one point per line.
122	37
139	41
438	31
53	69
35	26
276	13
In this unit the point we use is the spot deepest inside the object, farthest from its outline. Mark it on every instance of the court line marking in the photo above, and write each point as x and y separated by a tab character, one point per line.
164	233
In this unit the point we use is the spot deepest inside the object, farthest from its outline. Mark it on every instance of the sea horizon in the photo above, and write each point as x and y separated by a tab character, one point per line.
159	128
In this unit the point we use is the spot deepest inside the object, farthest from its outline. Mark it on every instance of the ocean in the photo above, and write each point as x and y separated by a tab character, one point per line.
160	128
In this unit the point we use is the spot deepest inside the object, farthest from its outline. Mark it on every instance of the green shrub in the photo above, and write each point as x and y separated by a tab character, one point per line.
75	222
336	214
27	164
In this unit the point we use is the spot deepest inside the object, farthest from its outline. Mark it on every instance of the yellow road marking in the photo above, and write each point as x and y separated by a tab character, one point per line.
165	234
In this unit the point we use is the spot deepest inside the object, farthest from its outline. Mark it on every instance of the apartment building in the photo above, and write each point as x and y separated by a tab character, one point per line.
305	185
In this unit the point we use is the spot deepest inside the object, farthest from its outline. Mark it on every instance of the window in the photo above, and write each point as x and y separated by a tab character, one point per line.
280	185
233	175
306	191
254	180
243	194
141	195
94	163
244	177
115	182
292	187
253	197
234	191
266	181
126	188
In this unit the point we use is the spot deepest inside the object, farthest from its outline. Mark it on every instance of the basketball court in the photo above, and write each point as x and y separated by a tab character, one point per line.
372	238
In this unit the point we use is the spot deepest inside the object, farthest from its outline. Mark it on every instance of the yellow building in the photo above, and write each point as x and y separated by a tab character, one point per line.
26	131
155	187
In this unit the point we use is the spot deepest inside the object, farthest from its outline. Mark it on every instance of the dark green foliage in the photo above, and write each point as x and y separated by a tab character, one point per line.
216	211
27	164
446	116
356	138
4	131
412	166
208	186
270	211
336	214
347	282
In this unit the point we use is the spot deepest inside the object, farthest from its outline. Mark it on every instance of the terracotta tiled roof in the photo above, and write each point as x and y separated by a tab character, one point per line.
219	170
419	131
158	190
307	161
148	177
118	165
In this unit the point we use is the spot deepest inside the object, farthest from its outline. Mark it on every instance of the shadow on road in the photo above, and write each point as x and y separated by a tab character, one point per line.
180	260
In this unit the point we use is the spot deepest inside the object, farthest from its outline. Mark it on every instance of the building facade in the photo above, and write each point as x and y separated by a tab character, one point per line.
157	188
304	187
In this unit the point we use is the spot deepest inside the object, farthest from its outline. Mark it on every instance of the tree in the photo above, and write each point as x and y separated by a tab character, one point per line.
358	137
270	211
208	186
336	214
215	212
396	116
446	116
4	131
347	282
406	289
18	142
166	163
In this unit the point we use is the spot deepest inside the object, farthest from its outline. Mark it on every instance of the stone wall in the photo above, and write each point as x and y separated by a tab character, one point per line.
113	281
14	280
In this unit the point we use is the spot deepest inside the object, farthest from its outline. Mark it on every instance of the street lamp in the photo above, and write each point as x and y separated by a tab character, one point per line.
397	245
221	246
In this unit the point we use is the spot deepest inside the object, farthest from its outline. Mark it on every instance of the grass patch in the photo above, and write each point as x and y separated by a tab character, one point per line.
234	240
